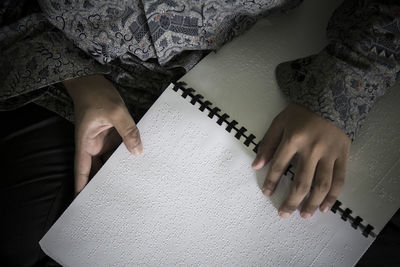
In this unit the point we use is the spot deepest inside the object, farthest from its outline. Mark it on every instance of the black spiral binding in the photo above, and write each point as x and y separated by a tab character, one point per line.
355	221
232	125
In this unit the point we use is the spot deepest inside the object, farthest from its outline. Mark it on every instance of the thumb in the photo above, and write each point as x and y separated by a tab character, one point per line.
126	128
83	162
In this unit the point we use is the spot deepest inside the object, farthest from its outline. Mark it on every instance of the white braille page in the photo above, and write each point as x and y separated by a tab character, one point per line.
191	198
240	79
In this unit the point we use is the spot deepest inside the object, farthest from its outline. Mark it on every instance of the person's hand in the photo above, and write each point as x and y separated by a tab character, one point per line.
101	119
321	151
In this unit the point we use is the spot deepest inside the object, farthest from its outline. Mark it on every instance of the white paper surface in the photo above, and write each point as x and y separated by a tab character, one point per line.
240	79
191	198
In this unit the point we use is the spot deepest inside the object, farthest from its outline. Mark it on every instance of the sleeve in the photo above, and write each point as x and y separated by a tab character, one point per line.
104	30
361	61
34	57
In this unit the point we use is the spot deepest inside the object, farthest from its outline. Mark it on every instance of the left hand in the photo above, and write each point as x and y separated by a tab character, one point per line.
102	121
322	151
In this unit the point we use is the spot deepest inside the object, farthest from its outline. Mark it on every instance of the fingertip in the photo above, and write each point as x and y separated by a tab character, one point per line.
268	187
137	150
255	161
267	192
78	189
132	140
258	163
254	165
284	214
324	208
305	215
134	146
327	204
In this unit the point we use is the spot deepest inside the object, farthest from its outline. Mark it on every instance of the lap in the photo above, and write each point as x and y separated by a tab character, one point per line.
37	180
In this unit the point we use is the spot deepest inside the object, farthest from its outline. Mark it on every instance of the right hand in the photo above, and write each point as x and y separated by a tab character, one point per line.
322	150
101	120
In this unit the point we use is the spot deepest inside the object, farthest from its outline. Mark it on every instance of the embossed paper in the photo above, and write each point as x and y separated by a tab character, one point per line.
191	198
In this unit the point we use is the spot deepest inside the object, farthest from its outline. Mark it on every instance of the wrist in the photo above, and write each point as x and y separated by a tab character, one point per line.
80	88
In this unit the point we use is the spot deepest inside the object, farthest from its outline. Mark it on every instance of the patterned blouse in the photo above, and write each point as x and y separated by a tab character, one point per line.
141	46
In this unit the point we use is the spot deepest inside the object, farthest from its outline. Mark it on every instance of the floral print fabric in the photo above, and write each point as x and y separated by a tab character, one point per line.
141	46
360	63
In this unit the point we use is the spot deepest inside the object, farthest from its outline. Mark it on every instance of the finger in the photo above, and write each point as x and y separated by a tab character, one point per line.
300	187
279	163
94	144
127	129
339	174
113	140
97	163
83	162
321	186
268	145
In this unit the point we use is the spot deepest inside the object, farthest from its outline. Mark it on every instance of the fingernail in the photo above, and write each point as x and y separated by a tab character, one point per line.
325	209
136	151
305	215
284	214
266	191
254	164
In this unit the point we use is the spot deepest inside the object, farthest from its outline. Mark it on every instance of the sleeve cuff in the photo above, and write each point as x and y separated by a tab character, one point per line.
333	89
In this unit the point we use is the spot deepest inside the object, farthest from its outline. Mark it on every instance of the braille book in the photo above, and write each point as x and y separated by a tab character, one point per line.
192	198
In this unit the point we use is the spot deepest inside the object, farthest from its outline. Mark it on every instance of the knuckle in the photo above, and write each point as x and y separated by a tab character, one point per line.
346	153
330	199
277	167
317	149
132	133
301	188
294	139
339	182
323	186
310	208
268	184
